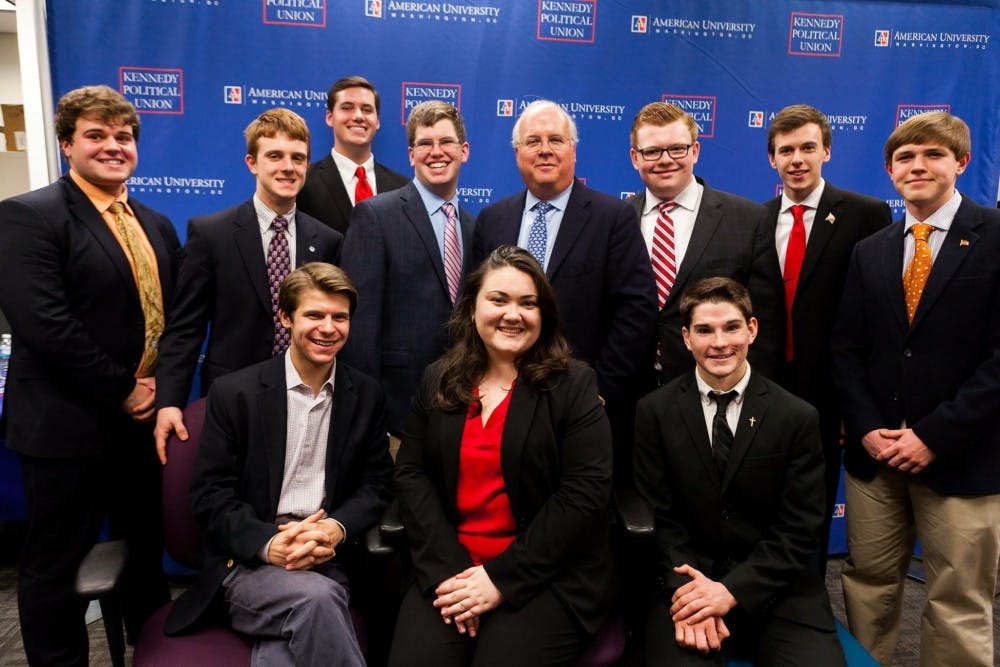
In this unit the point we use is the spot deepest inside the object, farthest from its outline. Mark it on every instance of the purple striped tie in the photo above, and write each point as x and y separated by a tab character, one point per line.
278	264
452	251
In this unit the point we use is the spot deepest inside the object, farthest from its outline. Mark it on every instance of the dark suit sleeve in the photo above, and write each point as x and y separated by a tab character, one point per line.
228	521
371	466
187	321
767	294
35	301
652	480
364	259
631	291
783	552
479	249
584	490
436	551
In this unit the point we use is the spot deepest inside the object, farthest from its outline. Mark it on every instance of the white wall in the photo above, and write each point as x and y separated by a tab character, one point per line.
10	74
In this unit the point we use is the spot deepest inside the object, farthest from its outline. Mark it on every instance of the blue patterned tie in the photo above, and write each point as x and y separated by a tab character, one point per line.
278	265
538	235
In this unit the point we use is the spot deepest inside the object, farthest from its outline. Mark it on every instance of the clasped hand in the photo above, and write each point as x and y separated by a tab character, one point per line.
898	448
697	609
467	596
300	545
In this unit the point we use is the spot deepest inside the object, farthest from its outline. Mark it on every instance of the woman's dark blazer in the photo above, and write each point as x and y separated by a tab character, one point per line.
555	455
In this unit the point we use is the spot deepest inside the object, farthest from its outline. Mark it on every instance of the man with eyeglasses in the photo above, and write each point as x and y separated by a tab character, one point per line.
693	231
407	252
591	249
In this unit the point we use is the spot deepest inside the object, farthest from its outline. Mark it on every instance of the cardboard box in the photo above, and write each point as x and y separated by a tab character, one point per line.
13	120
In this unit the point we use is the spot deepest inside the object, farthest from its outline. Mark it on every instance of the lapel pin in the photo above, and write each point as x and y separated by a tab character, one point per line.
312	248
831	218
963	242
752	420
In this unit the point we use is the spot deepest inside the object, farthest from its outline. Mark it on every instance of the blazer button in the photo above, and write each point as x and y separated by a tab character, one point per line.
229	564
725	514
907	353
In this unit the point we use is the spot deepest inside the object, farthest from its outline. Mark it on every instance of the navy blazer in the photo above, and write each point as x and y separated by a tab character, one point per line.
730	239
78	328
756	527
223	282
555	454
842	219
602	279
325	197
942	373
238	474
395	261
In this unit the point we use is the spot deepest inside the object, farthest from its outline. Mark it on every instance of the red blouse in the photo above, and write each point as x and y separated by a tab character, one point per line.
486	523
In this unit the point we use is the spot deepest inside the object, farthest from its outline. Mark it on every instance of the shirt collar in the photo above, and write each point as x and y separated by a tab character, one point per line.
686	199
294	381
811	201
98	197
265	216
346	166
559	202
740	388
432	202
939	219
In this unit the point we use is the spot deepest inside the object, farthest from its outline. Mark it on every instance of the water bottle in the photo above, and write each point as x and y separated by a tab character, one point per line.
4	361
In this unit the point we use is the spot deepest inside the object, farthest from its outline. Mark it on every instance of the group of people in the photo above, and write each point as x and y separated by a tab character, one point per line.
369	338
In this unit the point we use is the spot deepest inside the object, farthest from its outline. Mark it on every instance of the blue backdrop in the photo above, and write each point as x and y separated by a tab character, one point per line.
200	70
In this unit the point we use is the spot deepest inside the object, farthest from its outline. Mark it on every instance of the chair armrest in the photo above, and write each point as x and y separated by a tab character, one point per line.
375	545
635	513
391	523
100	571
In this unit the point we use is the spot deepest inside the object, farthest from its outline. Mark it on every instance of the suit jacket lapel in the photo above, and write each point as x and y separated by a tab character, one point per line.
821	233
416	213
272	413
693	415
330	176
520	415
248	242
752	414
163	259
345	399
892	273
957	244
450	441
305	240
467	223
707	221
574	219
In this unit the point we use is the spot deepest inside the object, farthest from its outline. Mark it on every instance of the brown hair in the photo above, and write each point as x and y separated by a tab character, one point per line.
427	114
100	102
321	276
792	118
715	290
272	122
660	114
465	362
351	82
934	126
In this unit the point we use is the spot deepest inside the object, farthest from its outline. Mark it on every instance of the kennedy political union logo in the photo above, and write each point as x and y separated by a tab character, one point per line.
569	21
415	92
153	90
815	34
906	111
307	13
699	107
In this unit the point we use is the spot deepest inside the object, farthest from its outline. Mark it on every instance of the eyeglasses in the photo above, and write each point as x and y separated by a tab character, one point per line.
653	153
556	144
445	144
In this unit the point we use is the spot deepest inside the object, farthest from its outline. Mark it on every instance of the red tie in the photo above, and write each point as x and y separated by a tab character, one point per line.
662	255
794	253
363	189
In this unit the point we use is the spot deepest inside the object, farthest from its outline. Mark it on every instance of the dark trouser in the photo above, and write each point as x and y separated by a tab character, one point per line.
67	502
542	632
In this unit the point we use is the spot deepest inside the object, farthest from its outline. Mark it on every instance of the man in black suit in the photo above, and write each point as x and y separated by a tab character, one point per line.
591	249
86	272
692	232
349	174
732	466
225	279
815	227
293	462
917	363
408	252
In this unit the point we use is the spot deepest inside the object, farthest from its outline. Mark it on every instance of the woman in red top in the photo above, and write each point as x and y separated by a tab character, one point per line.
503	479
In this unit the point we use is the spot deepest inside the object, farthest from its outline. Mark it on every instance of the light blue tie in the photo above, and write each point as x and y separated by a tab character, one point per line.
538	235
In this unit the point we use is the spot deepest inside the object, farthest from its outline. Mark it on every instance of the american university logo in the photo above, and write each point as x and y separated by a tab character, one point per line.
305	13
639	23
232	94
756	119
815	34
373	8
882	38
505	108
153	90
567	21
926	39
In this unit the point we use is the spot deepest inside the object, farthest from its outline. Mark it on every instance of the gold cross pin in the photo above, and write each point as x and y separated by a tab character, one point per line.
753	420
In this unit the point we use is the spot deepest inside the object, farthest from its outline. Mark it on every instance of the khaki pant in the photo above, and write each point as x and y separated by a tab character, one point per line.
960	539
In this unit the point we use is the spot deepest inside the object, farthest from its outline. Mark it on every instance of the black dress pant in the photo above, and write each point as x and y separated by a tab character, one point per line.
542	632
67	502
